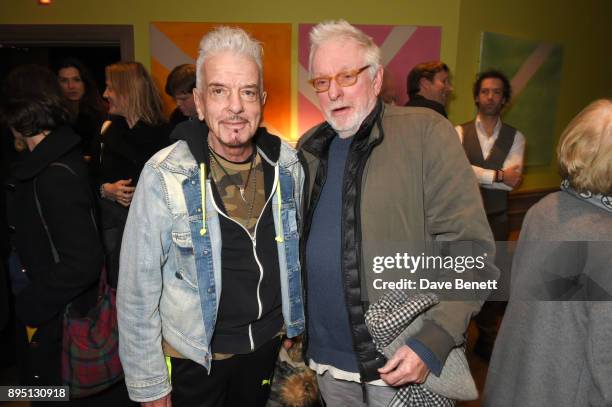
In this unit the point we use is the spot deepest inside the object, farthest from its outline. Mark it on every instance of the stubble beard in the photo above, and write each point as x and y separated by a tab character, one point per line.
352	123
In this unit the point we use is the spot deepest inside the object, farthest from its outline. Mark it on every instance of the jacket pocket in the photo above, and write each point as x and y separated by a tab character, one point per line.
185	259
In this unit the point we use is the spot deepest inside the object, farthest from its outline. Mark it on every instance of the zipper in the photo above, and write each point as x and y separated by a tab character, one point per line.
345	276
364	157
359	185
254	244
362	160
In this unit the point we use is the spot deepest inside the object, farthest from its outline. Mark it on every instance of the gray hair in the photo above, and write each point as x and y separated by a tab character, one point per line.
342	30
231	39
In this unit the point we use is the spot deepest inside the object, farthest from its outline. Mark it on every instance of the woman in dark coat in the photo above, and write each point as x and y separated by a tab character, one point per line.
51	213
137	131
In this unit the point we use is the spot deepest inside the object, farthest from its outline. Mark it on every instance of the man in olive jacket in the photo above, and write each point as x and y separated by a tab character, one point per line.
376	173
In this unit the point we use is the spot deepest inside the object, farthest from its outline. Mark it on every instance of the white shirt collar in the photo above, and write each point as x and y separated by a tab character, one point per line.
496	129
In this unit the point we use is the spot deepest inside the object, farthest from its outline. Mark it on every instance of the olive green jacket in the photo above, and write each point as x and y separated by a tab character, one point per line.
416	185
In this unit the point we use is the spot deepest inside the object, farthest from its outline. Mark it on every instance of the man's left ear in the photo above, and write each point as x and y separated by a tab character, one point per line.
378	80
264	96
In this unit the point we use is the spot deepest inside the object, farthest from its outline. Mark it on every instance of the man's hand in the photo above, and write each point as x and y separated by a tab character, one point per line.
165	401
120	191
404	367
512	175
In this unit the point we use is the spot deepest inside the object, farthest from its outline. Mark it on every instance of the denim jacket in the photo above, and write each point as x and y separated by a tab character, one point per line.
170	273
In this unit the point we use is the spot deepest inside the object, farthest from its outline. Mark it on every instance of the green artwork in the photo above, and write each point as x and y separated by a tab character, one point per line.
534	70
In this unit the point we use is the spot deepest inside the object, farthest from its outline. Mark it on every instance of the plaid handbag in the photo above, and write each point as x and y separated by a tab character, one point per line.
90	346
90	343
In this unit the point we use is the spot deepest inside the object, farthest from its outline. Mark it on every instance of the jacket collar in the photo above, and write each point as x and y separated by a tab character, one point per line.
195	134
421	101
50	149
369	132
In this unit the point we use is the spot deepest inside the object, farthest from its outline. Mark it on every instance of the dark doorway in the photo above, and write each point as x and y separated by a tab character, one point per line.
95	58
95	45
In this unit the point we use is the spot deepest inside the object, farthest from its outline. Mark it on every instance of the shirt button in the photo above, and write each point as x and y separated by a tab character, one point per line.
178	275
205	252
192	182
199	210
12	228
210	290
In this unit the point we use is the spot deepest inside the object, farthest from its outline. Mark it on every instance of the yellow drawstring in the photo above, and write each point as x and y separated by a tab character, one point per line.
169	367
279	239
203	196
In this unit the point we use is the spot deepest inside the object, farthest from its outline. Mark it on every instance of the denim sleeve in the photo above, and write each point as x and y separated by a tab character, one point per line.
144	249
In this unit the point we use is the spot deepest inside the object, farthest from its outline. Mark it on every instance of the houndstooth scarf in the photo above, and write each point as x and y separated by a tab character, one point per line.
386	319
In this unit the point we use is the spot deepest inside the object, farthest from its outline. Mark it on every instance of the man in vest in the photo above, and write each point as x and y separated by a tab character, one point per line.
495	151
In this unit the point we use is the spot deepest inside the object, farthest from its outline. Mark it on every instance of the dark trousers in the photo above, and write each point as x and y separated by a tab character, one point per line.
491	312
499	226
242	380
113	217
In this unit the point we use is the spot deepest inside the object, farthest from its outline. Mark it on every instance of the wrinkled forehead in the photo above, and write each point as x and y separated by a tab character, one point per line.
230	65
337	55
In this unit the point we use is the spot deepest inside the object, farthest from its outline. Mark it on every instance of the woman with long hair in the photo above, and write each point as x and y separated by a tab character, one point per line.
52	217
137	130
87	109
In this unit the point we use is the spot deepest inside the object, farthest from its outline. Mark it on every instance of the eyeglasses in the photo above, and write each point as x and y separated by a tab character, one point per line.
344	79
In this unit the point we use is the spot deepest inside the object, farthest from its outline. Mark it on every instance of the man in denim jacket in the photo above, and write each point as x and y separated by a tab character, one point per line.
209	272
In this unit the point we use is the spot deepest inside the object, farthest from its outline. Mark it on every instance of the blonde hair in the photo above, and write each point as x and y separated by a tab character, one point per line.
584	152
342	30
134	86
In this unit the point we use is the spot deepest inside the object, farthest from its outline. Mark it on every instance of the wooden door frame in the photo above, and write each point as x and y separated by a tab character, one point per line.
71	34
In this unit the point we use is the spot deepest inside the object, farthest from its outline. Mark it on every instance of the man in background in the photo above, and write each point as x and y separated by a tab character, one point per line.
496	152
429	86
179	86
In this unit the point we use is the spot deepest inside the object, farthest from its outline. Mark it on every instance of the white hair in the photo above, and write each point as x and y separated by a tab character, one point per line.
342	30
231	39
